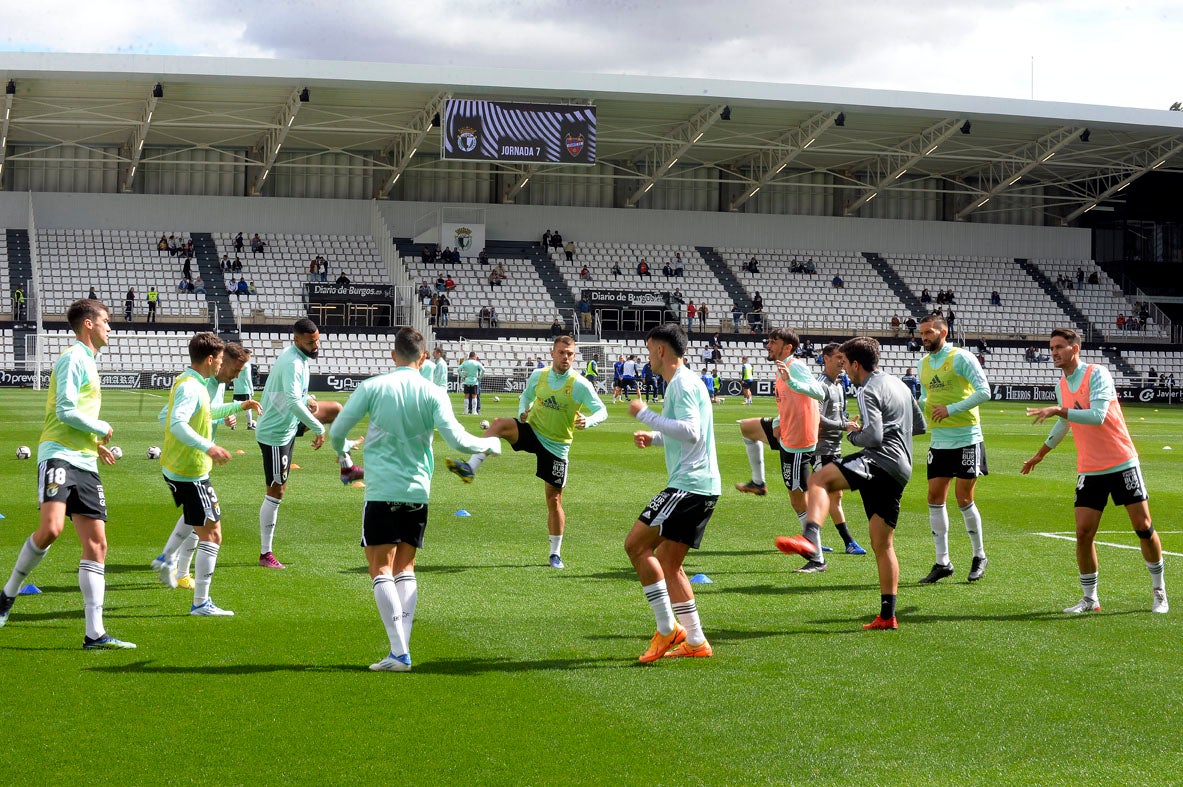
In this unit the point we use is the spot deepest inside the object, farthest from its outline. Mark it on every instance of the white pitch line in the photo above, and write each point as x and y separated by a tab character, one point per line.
1103	543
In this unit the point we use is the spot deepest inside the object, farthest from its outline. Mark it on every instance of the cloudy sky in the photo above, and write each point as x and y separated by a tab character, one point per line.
1088	51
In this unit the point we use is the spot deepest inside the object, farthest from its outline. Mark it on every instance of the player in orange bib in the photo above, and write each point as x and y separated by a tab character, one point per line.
1106	461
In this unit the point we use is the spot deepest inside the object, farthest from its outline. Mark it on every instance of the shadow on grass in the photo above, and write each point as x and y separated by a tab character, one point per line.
787	590
436	569
909	616
460	666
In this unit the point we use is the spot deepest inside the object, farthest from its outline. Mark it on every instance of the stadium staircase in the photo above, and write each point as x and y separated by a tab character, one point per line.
205	251
892	279
548	272
726	277
1053	292
20	271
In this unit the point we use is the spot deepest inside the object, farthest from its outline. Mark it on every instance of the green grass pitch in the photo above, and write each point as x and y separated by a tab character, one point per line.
526	675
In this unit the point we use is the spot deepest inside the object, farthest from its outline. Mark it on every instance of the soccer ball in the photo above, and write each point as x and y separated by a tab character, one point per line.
153	452
496	398
484	424
116	452
23	452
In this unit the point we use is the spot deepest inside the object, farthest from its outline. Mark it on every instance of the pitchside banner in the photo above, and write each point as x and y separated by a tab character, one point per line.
508	131
353	293
626	299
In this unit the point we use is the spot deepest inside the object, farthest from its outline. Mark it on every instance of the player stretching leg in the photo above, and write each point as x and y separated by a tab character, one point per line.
73	439
676	518
554	404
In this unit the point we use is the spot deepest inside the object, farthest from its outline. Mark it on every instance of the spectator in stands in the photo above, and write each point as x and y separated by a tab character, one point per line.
691	311
995	299
482	318
187	269
238	243
445	309
616	271
449	285
794	266
1152	375
424	291
183	285
925	296
237	265
678	297
758	302
162	244
556	328
440	281
173	248
243	289
198	285
18	302
314	270
546	240
913	345
667	270
569	250
895	325
232	286
483	257
343	279
981	360
556	240
983	348
951	320
643	269
679	268
129	304
753	265
495	278
716	343
1094	278
493	322
584	307
257	244
910	324
949	296
250	290
736	314
427	255
1080	276
584	274
809	267
703	314
912	381
92	295
837	281
1120	322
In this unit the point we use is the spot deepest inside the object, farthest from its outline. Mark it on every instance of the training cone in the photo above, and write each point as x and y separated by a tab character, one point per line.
358	485
239	452
296	467
462	512
29	590
1	516
701	579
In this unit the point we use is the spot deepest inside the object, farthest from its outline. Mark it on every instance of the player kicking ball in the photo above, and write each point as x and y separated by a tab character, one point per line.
676	518
404	409
554	404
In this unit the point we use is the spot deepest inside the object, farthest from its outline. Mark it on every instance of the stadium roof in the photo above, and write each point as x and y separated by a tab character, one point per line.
380	115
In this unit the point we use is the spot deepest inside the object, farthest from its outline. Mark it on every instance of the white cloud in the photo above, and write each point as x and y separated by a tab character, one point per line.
1085	50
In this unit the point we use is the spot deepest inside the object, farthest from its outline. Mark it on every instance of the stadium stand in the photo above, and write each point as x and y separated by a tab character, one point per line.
6	354
520	300
810	302
1101	302
280	272
6	286
74	260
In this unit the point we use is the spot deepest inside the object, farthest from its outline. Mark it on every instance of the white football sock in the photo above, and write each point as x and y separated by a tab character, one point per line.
268	515
476	460
938	520
755	449
207	558
1157	580
556	544
1088	584
973	526
408	594
659	600
26	561
93	585
687	612
345	460
181	531
185	553
391	610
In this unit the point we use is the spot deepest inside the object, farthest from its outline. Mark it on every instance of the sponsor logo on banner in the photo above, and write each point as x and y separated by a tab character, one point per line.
574	144
464	238
466	139
342	383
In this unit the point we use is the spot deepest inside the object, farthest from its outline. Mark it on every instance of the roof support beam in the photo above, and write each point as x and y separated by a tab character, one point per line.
272	141
665	155
1116	179
404	147
890	167
136	144
769	163
1001	176
4	131
512	191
